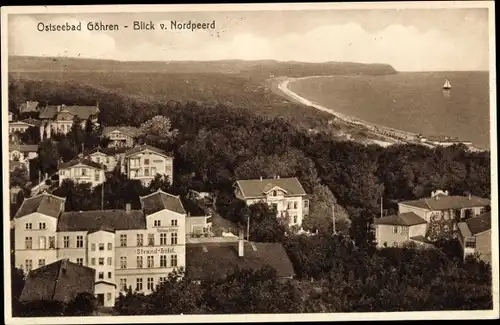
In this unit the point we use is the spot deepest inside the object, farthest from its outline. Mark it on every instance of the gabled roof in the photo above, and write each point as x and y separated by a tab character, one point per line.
83	161
476	225
403	219
128	130
60	281
257	188
95	220
144	147
47	204
160	200
23	147
111	151
83	112
217	260
28	106
448	202
29	122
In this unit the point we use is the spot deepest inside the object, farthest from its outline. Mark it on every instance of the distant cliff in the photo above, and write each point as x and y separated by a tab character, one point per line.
261	68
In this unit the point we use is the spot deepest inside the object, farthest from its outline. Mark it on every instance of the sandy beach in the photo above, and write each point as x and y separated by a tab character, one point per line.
391	135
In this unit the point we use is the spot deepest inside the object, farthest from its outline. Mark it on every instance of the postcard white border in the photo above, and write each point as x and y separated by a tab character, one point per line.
441	315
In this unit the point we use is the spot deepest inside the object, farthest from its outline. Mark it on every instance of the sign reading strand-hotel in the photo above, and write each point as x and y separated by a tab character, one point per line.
308	161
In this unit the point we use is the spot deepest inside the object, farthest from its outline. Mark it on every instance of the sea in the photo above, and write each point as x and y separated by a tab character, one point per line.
409	101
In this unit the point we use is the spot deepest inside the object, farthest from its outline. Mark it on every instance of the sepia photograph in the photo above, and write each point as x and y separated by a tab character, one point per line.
250	162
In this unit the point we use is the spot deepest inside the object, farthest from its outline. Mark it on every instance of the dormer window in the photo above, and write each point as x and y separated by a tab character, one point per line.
275	193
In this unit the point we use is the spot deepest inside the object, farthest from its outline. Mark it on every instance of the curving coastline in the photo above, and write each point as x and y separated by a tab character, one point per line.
393	136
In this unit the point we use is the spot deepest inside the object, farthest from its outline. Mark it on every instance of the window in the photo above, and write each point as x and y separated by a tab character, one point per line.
28	243
92	261
295	204
92	247
42	225
62	172
146	161
294	219
123	240
107	160
41	262
150	283
470	243
138	286
306	203
173	239
108	296
109	275
79	261
79	241
66	241
110	261
395	229
101	260
140	239
275	193
101	275
123	284
157	223
163	260
173	222
151	261
153	171
139	262
151	239
123	262
173	260
29	226
97	159
146	171
101	246
110	246
163	239
97	175
289	205
42	242
29	265
162	279
84	171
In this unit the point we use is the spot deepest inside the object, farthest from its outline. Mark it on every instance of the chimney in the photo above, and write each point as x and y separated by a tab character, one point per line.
241	244
278	177
261	178
127	207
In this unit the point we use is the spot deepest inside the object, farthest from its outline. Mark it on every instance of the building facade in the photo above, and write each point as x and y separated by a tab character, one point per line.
59	119
475	236
120	136
396	230
129	249
22	126
285	195
145	162
22	154
109	157
82	171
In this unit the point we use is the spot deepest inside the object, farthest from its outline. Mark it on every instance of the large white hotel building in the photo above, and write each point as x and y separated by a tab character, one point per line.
127	248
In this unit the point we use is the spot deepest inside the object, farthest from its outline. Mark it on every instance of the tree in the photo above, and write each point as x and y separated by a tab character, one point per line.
264	224
77	134
84	304
160	182
158	130
30	136
19	177
48	156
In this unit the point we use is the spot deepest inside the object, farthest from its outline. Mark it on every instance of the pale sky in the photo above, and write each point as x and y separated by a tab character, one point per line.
409	40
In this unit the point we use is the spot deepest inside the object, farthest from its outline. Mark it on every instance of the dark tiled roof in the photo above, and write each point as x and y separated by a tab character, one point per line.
83	112
256	187
83	161
160	200
29	106
96	220
143	147
193	209
403	219
128	130
23	147
44	203
61	281
479	224
448	202
217	260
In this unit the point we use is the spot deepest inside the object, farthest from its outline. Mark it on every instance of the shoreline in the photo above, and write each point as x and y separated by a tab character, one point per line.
393	136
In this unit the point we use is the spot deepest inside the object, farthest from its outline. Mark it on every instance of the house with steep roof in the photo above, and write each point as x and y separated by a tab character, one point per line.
475	236
120	136
128	247
144	162
285	195
109	157
58	281
395	230
22	153
443	211
209	261
82	170
59	118
22	125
